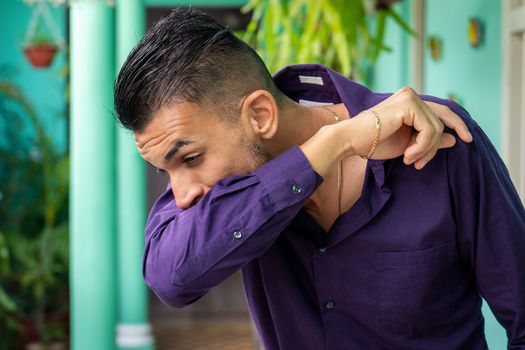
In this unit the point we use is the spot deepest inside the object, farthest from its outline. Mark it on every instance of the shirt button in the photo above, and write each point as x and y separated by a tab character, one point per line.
329	304
237	234
297	189
322	250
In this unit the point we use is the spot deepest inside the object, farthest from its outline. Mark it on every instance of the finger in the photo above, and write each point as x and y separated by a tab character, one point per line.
424	143
447	141
412	141
451	120
420	163
438	124
433	117
429	125
431	152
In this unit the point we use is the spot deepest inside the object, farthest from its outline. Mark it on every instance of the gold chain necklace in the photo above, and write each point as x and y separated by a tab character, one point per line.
339	166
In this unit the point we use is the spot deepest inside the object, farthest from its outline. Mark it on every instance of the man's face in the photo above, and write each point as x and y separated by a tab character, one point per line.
196	148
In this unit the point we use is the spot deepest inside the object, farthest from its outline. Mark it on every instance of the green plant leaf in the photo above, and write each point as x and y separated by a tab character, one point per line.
400	21
6	302
336	33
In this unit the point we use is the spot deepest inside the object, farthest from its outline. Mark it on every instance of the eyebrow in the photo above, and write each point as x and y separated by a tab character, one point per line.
177	144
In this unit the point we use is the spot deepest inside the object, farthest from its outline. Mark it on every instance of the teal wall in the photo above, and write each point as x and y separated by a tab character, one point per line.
44	88
473	75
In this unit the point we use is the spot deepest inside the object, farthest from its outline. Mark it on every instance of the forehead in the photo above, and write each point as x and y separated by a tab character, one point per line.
181	118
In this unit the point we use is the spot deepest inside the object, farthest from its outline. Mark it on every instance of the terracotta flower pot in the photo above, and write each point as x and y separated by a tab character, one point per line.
40	55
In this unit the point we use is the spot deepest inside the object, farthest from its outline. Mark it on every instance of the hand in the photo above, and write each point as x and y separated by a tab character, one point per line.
399	115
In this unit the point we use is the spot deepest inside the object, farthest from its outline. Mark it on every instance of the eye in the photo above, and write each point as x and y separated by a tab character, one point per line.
192	158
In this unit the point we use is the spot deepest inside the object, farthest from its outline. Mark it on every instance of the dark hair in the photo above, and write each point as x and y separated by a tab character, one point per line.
187	57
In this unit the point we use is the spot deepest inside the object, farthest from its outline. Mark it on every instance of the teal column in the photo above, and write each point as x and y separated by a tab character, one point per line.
92	212
133	329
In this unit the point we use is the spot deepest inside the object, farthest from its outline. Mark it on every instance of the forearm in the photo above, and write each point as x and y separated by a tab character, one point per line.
190	251
325	148
352	137
408	126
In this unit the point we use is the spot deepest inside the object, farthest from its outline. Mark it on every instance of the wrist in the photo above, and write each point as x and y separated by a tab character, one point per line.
361	135
325	148
348	134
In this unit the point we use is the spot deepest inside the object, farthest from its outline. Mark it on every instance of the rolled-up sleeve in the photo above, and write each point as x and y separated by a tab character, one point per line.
490	227
189	251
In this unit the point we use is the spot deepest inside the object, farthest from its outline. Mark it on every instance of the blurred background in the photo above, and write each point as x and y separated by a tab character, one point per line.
74	194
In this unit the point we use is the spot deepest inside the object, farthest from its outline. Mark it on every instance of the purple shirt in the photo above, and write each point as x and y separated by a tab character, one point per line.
404	268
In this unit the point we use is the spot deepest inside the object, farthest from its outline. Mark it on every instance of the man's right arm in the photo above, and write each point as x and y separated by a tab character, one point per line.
190	251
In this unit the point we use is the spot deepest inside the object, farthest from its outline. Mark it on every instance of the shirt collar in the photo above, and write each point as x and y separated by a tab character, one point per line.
317	84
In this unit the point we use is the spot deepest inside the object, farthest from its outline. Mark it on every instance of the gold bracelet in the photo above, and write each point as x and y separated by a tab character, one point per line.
376	138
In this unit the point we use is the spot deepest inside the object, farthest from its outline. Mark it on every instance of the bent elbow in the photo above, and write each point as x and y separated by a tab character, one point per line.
157	270
171	294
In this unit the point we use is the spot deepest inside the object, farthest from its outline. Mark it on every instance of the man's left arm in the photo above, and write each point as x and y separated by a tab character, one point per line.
490	222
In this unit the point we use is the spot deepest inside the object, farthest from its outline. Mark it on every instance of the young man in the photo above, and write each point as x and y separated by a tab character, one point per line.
287	180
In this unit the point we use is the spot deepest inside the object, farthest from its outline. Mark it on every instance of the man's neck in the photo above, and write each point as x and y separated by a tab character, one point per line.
299	123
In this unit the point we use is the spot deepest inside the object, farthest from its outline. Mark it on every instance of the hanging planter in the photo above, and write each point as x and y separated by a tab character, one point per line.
40	50
40	55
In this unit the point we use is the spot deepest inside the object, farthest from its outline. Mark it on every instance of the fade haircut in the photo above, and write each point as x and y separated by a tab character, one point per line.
188	57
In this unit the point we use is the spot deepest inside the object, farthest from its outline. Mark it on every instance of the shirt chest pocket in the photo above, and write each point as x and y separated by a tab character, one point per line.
415	288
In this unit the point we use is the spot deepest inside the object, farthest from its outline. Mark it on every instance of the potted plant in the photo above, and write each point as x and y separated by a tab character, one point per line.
9	325
34	262
346	35
40	50
39	47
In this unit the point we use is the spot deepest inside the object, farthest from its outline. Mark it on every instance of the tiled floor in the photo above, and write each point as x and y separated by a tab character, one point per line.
218	321
204	337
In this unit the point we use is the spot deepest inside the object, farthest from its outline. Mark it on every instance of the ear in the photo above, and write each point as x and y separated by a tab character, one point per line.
261	111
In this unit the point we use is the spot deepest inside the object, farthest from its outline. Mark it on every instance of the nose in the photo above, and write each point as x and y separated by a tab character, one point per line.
186	193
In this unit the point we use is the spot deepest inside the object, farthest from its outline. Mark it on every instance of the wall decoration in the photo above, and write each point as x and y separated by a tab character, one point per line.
435	47
475	32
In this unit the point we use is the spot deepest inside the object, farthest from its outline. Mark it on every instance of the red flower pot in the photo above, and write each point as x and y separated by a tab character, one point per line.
40	55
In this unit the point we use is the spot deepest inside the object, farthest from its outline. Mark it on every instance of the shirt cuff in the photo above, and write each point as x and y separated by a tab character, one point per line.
289	178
